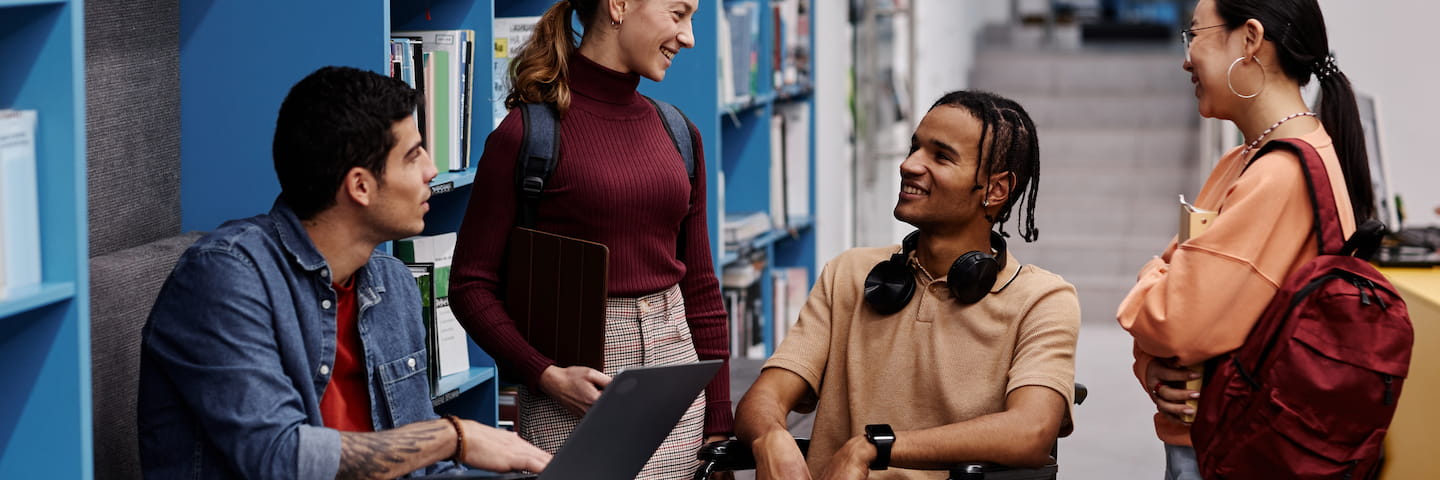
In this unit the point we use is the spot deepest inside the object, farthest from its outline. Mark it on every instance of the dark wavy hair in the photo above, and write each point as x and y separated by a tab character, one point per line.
1297	28
335	119
1008	143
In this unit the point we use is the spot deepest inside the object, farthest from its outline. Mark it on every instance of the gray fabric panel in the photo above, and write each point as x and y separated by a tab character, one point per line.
132	84
123	287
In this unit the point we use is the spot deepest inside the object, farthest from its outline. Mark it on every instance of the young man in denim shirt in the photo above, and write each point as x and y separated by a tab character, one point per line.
283	345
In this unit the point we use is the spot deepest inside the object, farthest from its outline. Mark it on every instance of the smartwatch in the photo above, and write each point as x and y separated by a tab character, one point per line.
883	437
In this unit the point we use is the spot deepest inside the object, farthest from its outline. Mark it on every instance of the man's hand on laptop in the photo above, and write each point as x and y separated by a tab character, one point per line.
575	388
498	450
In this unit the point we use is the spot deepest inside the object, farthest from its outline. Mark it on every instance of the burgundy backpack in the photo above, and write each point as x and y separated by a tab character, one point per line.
1311	392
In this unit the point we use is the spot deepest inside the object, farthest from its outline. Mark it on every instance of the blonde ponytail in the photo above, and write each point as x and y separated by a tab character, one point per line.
539	72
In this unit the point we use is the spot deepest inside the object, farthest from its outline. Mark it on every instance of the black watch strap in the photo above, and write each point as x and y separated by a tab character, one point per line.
883	437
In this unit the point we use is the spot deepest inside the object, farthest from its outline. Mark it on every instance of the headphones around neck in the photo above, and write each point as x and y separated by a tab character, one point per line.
891	284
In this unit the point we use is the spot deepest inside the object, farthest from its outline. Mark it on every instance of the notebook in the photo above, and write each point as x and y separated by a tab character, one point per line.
624	427
555	290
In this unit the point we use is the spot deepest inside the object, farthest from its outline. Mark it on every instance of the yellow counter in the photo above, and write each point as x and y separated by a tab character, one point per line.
1414	438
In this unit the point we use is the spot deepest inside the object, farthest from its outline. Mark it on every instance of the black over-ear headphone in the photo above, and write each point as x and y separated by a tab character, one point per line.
891	283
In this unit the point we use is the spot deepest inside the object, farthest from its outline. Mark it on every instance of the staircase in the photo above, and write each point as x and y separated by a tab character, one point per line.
1117	129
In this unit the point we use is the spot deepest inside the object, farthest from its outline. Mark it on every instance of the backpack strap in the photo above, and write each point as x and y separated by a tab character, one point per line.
539	153
678	127
1329	236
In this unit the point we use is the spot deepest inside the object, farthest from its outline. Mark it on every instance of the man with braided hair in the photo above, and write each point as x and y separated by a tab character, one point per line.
939	350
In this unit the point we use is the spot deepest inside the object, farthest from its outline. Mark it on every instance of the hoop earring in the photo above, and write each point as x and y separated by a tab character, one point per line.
1231	83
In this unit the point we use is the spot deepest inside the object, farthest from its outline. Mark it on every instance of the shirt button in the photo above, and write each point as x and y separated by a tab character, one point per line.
325	304
325	272
324	370
411	363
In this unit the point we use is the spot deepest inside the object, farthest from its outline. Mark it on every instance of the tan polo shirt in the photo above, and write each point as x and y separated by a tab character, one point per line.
933	363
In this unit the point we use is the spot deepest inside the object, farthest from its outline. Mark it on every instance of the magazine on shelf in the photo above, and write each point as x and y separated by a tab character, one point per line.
451	352
19	202
511	33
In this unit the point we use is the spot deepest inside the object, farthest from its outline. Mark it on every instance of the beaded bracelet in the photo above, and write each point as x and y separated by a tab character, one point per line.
459	439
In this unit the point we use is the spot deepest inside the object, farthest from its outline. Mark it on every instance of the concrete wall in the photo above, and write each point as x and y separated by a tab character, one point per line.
1387	48
834	151
945	44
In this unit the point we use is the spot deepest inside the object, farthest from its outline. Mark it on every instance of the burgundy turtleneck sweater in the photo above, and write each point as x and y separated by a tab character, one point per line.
619	182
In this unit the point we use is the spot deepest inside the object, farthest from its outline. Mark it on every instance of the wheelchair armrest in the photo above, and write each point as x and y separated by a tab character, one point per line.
733	455
992	471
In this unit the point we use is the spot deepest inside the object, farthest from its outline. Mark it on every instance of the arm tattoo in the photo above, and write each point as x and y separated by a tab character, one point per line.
386	454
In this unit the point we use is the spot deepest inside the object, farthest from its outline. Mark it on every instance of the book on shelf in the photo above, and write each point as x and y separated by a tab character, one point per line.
726	72
451	352
424	275
19	202
744	312
792	42
1193	221
446	85
741	286
411	70
742	22
741	228
777	173
510	34
797	147
790	292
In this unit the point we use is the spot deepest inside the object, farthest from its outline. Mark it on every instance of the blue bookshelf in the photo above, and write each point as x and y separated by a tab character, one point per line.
231	91
45	330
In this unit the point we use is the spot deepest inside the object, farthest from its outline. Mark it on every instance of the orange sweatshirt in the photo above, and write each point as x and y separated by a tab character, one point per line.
1200	299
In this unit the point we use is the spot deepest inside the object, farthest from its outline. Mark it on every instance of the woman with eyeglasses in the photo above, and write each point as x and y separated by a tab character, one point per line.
1248	60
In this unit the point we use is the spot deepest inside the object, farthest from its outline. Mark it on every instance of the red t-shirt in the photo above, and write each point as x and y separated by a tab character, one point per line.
346	403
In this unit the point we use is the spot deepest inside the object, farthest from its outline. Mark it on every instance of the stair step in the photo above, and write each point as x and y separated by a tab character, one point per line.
1085	71
1172	147
1123	112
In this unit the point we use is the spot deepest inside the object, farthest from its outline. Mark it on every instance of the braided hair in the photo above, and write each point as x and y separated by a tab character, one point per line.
1008	143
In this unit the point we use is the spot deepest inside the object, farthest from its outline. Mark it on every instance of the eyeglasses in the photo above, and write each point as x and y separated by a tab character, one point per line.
1188	35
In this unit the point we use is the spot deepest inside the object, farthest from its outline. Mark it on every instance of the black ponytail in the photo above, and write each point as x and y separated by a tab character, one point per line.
1297	28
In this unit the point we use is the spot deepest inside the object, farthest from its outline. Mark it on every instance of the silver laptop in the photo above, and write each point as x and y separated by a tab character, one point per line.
624	427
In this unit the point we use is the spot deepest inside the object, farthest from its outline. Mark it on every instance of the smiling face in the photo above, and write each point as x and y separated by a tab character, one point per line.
653	32
938	189
1211	52
402	198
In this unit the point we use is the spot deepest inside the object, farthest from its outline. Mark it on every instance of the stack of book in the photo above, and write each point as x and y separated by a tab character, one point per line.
740	228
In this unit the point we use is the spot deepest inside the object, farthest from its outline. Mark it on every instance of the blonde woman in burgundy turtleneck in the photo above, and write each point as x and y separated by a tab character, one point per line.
619	181
1200	298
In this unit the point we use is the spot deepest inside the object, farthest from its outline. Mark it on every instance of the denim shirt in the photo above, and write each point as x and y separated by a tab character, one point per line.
239	348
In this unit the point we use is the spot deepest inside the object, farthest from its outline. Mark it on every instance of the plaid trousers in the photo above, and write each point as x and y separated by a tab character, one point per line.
644	331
